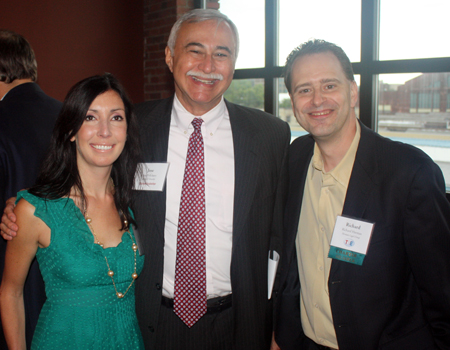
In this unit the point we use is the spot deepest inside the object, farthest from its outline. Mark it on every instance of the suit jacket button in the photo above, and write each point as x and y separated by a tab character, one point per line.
158	286
151	329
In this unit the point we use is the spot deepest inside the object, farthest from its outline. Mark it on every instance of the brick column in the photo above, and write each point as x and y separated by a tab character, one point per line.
159	16
212	4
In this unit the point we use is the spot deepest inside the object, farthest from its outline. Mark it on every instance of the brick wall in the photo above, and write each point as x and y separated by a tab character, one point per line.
159	16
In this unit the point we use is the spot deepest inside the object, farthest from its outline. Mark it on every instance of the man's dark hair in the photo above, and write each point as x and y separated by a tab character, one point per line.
312	47
59	172
17	60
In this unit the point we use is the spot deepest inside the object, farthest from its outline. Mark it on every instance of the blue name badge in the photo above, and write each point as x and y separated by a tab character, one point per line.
350	240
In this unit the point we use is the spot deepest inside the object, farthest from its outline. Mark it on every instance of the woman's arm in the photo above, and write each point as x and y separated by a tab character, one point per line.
19	255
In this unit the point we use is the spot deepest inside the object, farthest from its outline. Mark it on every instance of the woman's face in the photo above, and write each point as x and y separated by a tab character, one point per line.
103	134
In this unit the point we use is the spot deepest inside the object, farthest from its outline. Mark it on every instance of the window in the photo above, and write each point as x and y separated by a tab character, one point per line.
248	16
397	47
415	109
299	21
247	92
421	25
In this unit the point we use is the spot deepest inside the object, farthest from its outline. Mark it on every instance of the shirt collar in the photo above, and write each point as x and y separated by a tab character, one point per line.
1	99
211	119
342	172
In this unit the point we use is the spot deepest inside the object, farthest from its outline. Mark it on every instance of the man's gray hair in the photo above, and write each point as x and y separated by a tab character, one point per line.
200	15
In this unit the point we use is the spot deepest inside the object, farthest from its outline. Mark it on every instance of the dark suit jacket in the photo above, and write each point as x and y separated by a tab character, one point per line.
400	297
27	116
260	149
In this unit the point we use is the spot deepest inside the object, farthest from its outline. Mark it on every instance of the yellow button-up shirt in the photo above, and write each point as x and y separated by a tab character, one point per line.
323	201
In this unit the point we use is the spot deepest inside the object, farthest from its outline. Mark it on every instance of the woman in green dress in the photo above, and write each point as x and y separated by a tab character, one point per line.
77	221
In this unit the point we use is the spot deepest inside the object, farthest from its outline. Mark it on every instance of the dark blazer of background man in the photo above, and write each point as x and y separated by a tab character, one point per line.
27	116
260	153
400	297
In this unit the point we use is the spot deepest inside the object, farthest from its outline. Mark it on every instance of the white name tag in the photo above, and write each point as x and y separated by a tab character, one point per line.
350	240
151	176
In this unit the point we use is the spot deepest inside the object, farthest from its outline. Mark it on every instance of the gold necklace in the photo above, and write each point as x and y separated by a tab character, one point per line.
134	247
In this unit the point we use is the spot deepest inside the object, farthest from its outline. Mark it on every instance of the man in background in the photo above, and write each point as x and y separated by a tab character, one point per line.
27	116
366	261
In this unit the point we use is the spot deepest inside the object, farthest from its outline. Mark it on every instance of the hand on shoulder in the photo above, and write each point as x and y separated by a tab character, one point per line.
8	227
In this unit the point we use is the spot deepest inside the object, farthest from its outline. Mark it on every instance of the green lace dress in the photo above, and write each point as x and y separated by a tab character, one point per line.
82	310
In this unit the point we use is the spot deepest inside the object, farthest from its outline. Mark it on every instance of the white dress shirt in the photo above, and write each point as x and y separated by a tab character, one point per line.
219	194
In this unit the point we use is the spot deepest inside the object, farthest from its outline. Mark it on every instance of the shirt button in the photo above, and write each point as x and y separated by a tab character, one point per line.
321	268
322	229
316	306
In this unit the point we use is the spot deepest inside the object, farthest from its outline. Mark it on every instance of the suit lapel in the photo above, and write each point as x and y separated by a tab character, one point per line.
300	153
364	176
363	181
155	126
246	167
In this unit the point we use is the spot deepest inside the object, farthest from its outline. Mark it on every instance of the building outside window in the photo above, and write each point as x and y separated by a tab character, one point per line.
397	47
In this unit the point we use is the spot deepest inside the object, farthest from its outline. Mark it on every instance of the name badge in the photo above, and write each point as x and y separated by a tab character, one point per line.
150	176
350	240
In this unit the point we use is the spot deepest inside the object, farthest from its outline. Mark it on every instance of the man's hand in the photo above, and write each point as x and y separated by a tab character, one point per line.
8	227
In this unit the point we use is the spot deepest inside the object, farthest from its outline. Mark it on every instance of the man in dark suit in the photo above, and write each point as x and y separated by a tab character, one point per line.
245	153
349	184
27	116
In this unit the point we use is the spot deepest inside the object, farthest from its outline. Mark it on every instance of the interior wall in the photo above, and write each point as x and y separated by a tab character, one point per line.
74	39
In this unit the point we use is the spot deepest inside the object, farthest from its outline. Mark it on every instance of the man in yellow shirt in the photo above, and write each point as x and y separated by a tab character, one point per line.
366	261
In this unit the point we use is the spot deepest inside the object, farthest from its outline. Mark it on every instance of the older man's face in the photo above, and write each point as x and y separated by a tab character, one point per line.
202	64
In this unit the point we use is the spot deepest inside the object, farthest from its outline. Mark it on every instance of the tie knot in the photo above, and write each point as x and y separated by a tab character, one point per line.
197	124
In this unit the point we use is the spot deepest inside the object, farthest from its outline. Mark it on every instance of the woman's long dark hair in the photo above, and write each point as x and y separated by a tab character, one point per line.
59	171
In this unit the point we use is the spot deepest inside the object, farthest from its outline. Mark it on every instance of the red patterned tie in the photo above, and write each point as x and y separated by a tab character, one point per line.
190	270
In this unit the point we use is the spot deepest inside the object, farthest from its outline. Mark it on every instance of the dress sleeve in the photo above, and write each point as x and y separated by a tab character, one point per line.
42	206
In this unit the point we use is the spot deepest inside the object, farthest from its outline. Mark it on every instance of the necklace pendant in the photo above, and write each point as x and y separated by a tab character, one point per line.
134	247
